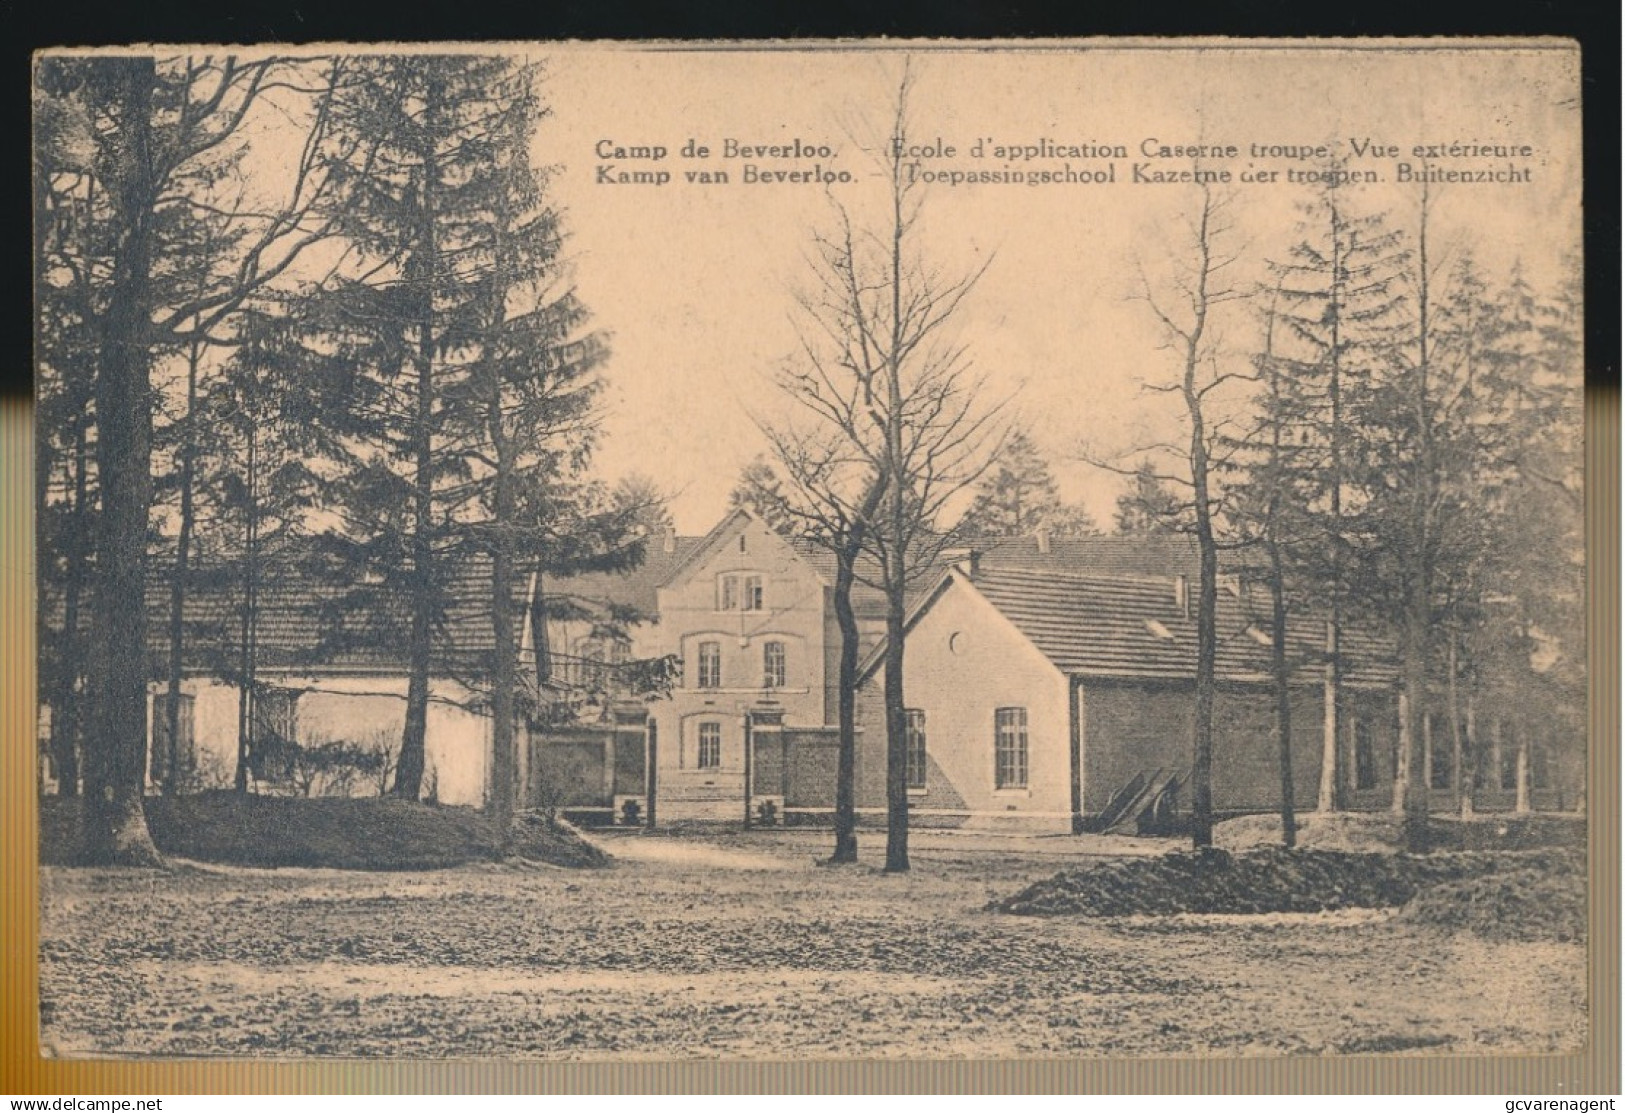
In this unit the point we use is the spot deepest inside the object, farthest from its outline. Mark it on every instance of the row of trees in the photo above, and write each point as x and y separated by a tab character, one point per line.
1402	446
378	373
1397	438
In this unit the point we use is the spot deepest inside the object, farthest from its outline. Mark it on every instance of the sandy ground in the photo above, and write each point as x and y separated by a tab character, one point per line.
740	947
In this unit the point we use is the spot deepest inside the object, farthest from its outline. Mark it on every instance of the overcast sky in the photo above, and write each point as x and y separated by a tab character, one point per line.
694	283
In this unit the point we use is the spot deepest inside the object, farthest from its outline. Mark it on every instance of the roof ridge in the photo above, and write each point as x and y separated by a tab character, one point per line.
1078	577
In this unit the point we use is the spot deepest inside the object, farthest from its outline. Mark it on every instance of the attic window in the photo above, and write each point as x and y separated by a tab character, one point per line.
1158	630
1261	637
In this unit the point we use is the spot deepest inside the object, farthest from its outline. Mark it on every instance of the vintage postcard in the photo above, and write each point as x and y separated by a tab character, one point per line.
812	551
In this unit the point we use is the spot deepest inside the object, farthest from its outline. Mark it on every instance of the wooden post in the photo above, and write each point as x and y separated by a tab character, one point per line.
1521	801
1474	754
1075	691
651	765
1496	756
1402	749
749	745
1427	752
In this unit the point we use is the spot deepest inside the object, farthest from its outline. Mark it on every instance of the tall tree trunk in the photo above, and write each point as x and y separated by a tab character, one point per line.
178	586
1419	610
68	712
503	665
422	273
1458	762
249	626
896	572
896	739
1281	673
846	760
846	819
502	683
1207	594
115	820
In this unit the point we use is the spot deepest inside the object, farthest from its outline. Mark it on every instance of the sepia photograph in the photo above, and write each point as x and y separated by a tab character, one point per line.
811	551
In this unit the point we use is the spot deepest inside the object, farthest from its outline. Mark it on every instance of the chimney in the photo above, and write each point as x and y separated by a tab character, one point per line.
968	561
1182	596
1042	537
668	540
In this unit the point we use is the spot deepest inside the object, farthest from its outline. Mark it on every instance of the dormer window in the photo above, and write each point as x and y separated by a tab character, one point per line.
1158	630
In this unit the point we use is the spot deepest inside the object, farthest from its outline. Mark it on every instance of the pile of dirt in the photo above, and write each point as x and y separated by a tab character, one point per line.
325	832
1522	905
1265	881
1352	832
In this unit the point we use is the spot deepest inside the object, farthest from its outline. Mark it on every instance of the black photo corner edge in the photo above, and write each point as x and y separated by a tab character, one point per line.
91	23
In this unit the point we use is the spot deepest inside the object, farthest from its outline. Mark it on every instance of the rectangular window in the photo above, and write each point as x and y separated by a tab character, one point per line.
710	672
1010	747
754	597
710	751
1365	755
1540	763
171	760
1509	755
916	748
1441	748
727	592
773	665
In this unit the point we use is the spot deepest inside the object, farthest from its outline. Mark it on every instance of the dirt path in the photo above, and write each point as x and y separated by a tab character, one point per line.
741	948
684	855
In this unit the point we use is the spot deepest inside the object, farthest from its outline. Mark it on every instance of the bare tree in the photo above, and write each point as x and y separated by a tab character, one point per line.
1184	311
895	410
831	498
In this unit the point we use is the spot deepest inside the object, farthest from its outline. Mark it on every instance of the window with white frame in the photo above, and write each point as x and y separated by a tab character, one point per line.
1010	747
773	668
914	733
727	592
710	670
708	755
754	597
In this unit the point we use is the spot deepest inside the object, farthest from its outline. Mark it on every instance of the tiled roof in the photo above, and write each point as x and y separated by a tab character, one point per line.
1135	628
637	588
308	621
1146	554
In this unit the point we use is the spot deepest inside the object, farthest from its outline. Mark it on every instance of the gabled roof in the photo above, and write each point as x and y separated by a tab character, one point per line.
1136	628
637	588
730	524
307	621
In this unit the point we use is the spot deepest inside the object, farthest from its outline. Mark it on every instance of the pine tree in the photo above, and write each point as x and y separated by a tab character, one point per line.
760	491
1017	498
1149	506
468	423
1338	309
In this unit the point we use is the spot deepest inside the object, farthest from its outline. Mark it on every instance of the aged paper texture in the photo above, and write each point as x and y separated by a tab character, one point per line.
845	551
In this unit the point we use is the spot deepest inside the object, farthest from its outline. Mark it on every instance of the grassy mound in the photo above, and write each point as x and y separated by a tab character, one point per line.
1362	832
1262	881
1521	905
331	832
